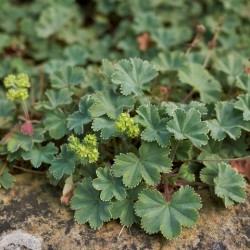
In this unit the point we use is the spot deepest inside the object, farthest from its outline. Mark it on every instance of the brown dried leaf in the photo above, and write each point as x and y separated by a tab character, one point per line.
242	166
143	41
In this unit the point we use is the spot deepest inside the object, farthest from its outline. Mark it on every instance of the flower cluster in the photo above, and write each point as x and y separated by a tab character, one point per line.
126	124
17	86
86	150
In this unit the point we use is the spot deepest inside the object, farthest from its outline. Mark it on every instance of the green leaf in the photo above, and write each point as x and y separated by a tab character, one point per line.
188	126
64	163
6	111
155	126
243	82
151	162
39	154
229	185
57	98
66	77
170	61
168	217
134	76
199	78
109	185
124	209
185	173
88	205
229	122
6	179
109	103
56	123
243	104
78	119
106	125
75	55
52	20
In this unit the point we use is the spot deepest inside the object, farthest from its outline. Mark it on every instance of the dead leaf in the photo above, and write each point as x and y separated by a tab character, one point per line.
27	128
67	191
143	41
242	166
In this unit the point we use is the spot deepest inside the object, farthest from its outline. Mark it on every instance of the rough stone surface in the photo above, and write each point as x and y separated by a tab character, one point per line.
33	206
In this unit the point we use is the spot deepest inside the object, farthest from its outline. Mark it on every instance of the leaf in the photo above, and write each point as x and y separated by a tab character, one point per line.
88	205
243	104
67	191
56	123
155	126
57	98
39	154
6	179
6	112
75	55
243	82
134	76
229	185
78	119
27	128
199	78
124	209
52	20
109	185
67	76
106	125
185	173
188	126
151	161
168	217
64	163
229	122
109	103
170	61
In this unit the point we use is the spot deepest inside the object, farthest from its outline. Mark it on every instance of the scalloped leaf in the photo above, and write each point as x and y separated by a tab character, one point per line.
152	161
229	122
199	78
106	125
134	75
39	154
109	185
155	126
64	163
56	123
243	104
109	103
170	61
89	208
168	217
78	119
185	173
124	209
75	55
243	82
67	76
188	125
6	179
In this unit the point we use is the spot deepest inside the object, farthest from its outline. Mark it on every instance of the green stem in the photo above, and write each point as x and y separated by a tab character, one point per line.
3	167
192	183
216	160
173	153
125	143
25	110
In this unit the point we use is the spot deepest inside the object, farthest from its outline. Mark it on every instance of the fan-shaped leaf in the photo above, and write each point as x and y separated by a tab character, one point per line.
243	82
243	104
6	179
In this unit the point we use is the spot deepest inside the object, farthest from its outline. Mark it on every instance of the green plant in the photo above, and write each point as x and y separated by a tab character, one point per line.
125	135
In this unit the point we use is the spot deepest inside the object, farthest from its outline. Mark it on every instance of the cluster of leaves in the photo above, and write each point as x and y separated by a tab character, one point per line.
125	135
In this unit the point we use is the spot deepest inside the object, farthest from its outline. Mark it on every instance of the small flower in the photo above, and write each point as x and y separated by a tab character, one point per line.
90	140
23	81
9	81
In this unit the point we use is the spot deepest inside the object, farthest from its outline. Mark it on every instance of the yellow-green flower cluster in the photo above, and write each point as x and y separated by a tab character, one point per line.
86	150
126	124
17	86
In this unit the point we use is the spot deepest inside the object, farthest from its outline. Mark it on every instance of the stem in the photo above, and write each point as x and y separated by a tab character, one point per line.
29	170
192	183
25	110
216	160
125	143
189	95
167	194
173	153
3	167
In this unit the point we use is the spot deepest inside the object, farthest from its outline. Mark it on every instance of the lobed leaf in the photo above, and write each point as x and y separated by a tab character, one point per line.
6	179
243	104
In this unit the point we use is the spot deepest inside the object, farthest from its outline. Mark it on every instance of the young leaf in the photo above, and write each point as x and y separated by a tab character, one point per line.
124	209
155	127
229	122
78	119
106	125
152	160
66	77
188	126
64	163
229	185
243	104
199	78
109	103
6	179
56	123
109	185
185	173
134	76
88	205
168	217
39	154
